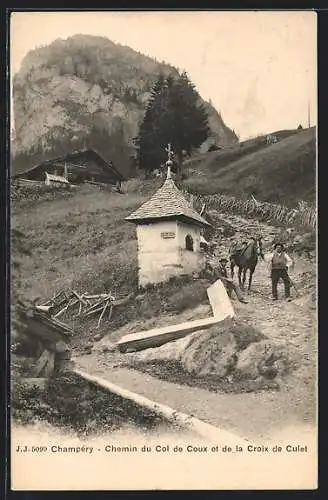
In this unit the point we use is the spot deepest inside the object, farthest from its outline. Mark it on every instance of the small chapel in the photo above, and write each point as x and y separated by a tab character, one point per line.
169	233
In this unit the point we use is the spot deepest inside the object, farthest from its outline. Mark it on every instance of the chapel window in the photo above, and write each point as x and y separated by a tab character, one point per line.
189	243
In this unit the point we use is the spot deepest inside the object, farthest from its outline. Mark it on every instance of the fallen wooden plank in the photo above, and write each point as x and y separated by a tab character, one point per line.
110	312
84	296
70	304
51	301
159	336
80	298
102	314
80	309
45	309
94	311
99	296
122	302
59	303
95	307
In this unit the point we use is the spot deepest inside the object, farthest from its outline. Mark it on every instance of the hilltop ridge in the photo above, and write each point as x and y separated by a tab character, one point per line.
282	173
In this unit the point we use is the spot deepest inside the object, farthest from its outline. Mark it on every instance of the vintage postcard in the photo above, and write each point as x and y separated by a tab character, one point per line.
164	265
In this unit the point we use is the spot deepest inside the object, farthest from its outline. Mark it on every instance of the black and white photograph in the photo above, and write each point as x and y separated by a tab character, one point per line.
163	217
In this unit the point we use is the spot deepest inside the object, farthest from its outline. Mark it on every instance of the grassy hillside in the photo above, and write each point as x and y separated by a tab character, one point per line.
82	242
79	238
69	236
280	173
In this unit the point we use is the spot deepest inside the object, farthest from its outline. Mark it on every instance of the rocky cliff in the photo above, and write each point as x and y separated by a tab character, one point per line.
86	91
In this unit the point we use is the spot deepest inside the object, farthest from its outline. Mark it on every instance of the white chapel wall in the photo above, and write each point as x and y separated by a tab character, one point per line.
162	251
158	255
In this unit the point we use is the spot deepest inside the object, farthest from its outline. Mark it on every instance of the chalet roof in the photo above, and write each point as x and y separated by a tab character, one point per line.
40	324
79	159
167	203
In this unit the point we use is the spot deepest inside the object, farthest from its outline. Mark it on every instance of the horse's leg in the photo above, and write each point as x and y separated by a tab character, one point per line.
232	266
244	276
239	277
251	271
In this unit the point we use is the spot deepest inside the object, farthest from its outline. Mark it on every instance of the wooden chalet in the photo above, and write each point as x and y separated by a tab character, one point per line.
44	340
77	167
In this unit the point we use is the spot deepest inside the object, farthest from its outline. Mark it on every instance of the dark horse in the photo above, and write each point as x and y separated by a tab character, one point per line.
246	259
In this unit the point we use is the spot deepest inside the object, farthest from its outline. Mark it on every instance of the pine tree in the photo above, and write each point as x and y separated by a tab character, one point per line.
148	151
173	115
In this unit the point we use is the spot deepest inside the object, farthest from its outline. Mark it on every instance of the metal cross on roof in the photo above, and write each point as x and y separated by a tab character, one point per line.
169	161
169	151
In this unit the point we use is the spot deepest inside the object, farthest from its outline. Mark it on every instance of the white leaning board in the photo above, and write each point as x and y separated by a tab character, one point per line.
221	304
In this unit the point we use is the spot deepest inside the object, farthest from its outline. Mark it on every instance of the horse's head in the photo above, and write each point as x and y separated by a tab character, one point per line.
252	247
257	244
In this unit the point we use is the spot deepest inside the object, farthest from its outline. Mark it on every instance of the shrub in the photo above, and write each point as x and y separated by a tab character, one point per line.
75	405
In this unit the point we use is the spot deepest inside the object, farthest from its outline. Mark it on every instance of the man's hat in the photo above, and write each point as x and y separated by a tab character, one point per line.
279	244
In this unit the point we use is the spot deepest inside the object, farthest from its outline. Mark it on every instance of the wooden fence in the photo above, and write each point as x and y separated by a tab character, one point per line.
304	216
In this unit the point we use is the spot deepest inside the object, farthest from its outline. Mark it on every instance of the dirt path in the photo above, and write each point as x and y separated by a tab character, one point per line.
294	322
255	415
252	415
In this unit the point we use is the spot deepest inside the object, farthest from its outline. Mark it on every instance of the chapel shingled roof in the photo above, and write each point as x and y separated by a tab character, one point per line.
167	202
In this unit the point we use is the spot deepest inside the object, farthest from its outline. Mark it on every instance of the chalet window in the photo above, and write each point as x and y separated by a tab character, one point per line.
189	243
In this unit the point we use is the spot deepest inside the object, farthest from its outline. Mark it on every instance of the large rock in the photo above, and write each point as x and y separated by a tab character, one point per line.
244	334
267	358
206	352
210	353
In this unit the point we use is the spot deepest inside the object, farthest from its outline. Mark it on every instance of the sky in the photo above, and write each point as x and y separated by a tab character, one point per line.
258	68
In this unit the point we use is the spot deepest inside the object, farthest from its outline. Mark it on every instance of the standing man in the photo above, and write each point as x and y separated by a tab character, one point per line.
280	263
